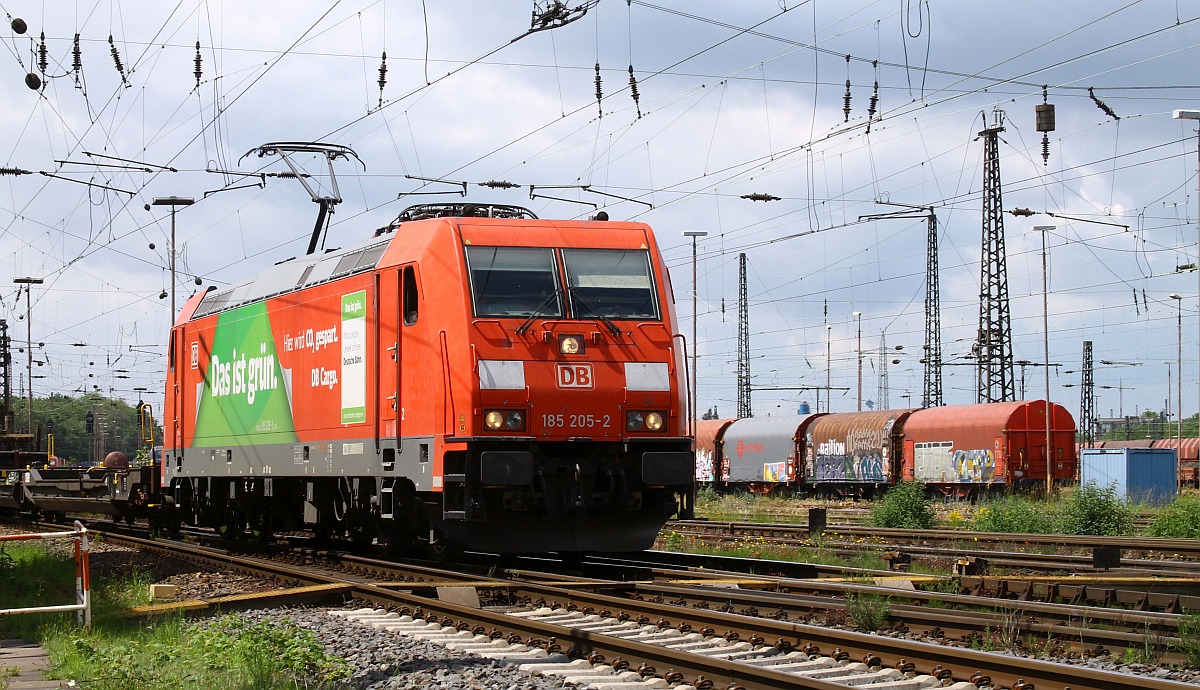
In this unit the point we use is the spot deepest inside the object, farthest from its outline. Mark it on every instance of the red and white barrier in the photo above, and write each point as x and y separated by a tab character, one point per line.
83	579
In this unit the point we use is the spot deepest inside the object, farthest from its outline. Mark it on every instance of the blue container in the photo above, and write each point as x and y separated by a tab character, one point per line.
1139	475
804	409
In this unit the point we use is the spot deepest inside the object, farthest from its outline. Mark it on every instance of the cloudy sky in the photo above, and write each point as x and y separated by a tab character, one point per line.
733	99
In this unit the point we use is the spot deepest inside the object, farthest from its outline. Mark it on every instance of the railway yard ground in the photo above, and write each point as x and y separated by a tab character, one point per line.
710	608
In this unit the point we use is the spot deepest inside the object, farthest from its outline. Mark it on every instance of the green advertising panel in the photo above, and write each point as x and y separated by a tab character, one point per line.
354	360
245	397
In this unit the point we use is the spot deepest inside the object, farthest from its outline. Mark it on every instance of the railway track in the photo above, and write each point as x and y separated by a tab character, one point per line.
1169	586
1186	549
554	620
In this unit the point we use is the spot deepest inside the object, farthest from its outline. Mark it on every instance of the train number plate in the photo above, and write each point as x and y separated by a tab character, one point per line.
576	421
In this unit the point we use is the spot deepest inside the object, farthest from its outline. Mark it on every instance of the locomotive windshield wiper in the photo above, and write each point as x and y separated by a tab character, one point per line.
612	327
538	312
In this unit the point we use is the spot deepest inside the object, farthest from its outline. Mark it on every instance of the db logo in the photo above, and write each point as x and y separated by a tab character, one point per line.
575	376
195	355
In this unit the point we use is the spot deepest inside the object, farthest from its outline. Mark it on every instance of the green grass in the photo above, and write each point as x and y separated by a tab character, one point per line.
1179	519
227	652
31	575
868	612
118	652
1016	514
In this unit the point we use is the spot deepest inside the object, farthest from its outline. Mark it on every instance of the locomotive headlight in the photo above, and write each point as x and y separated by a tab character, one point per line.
570	344
514	420
641	420
504	420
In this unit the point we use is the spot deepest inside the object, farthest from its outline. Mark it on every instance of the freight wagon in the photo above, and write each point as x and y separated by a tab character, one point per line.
957	450
853	453
763	454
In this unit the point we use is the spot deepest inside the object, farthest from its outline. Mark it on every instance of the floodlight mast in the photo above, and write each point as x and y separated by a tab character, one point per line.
694	234
1192	115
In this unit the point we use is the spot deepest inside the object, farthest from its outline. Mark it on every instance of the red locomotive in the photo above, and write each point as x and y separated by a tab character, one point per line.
473	377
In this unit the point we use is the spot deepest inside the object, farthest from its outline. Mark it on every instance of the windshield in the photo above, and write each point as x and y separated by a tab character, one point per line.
514	281
611	283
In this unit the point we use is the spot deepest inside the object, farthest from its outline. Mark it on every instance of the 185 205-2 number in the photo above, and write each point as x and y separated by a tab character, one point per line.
576	421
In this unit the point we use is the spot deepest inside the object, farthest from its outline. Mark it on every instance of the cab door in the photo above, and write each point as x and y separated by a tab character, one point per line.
388	347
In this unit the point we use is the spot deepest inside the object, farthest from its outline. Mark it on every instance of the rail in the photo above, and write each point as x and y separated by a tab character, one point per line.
83	583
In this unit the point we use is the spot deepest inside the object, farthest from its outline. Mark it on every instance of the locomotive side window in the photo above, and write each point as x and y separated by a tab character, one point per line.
410	296
514	281
612	283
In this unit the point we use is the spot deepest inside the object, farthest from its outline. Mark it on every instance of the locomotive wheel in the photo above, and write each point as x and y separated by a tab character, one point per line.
446	550
260	528
233	525
360	526
571	559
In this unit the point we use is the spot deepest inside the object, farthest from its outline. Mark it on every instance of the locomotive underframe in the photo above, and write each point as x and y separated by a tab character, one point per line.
496	495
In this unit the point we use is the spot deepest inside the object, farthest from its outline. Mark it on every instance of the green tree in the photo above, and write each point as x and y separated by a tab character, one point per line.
115	422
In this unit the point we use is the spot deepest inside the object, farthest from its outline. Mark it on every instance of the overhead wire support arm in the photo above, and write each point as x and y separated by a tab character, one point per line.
331	152
83	182
456	183
261	184
89	154
532	195
114	166
588	188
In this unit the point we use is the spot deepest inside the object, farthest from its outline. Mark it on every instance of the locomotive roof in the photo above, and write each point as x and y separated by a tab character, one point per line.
313	269
295	273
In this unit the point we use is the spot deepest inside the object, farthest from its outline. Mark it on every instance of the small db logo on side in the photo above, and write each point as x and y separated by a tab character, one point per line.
575	376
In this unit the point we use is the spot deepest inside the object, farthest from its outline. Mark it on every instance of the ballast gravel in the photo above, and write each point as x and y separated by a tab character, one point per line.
384	660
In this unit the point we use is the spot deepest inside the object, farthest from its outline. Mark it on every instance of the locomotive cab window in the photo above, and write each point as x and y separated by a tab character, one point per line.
514	281
611	283
410	296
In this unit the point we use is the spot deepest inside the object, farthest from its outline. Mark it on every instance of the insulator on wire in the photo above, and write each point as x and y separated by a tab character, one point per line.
76	59
846	103
1102	105
43	63
382	76
871	108
1044	115
599	91
199	72
633	91
117	60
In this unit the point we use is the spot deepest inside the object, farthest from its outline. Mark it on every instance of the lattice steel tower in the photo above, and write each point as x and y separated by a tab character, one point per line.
743	343
994	344
932	393
6	413
882	393
1087	401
